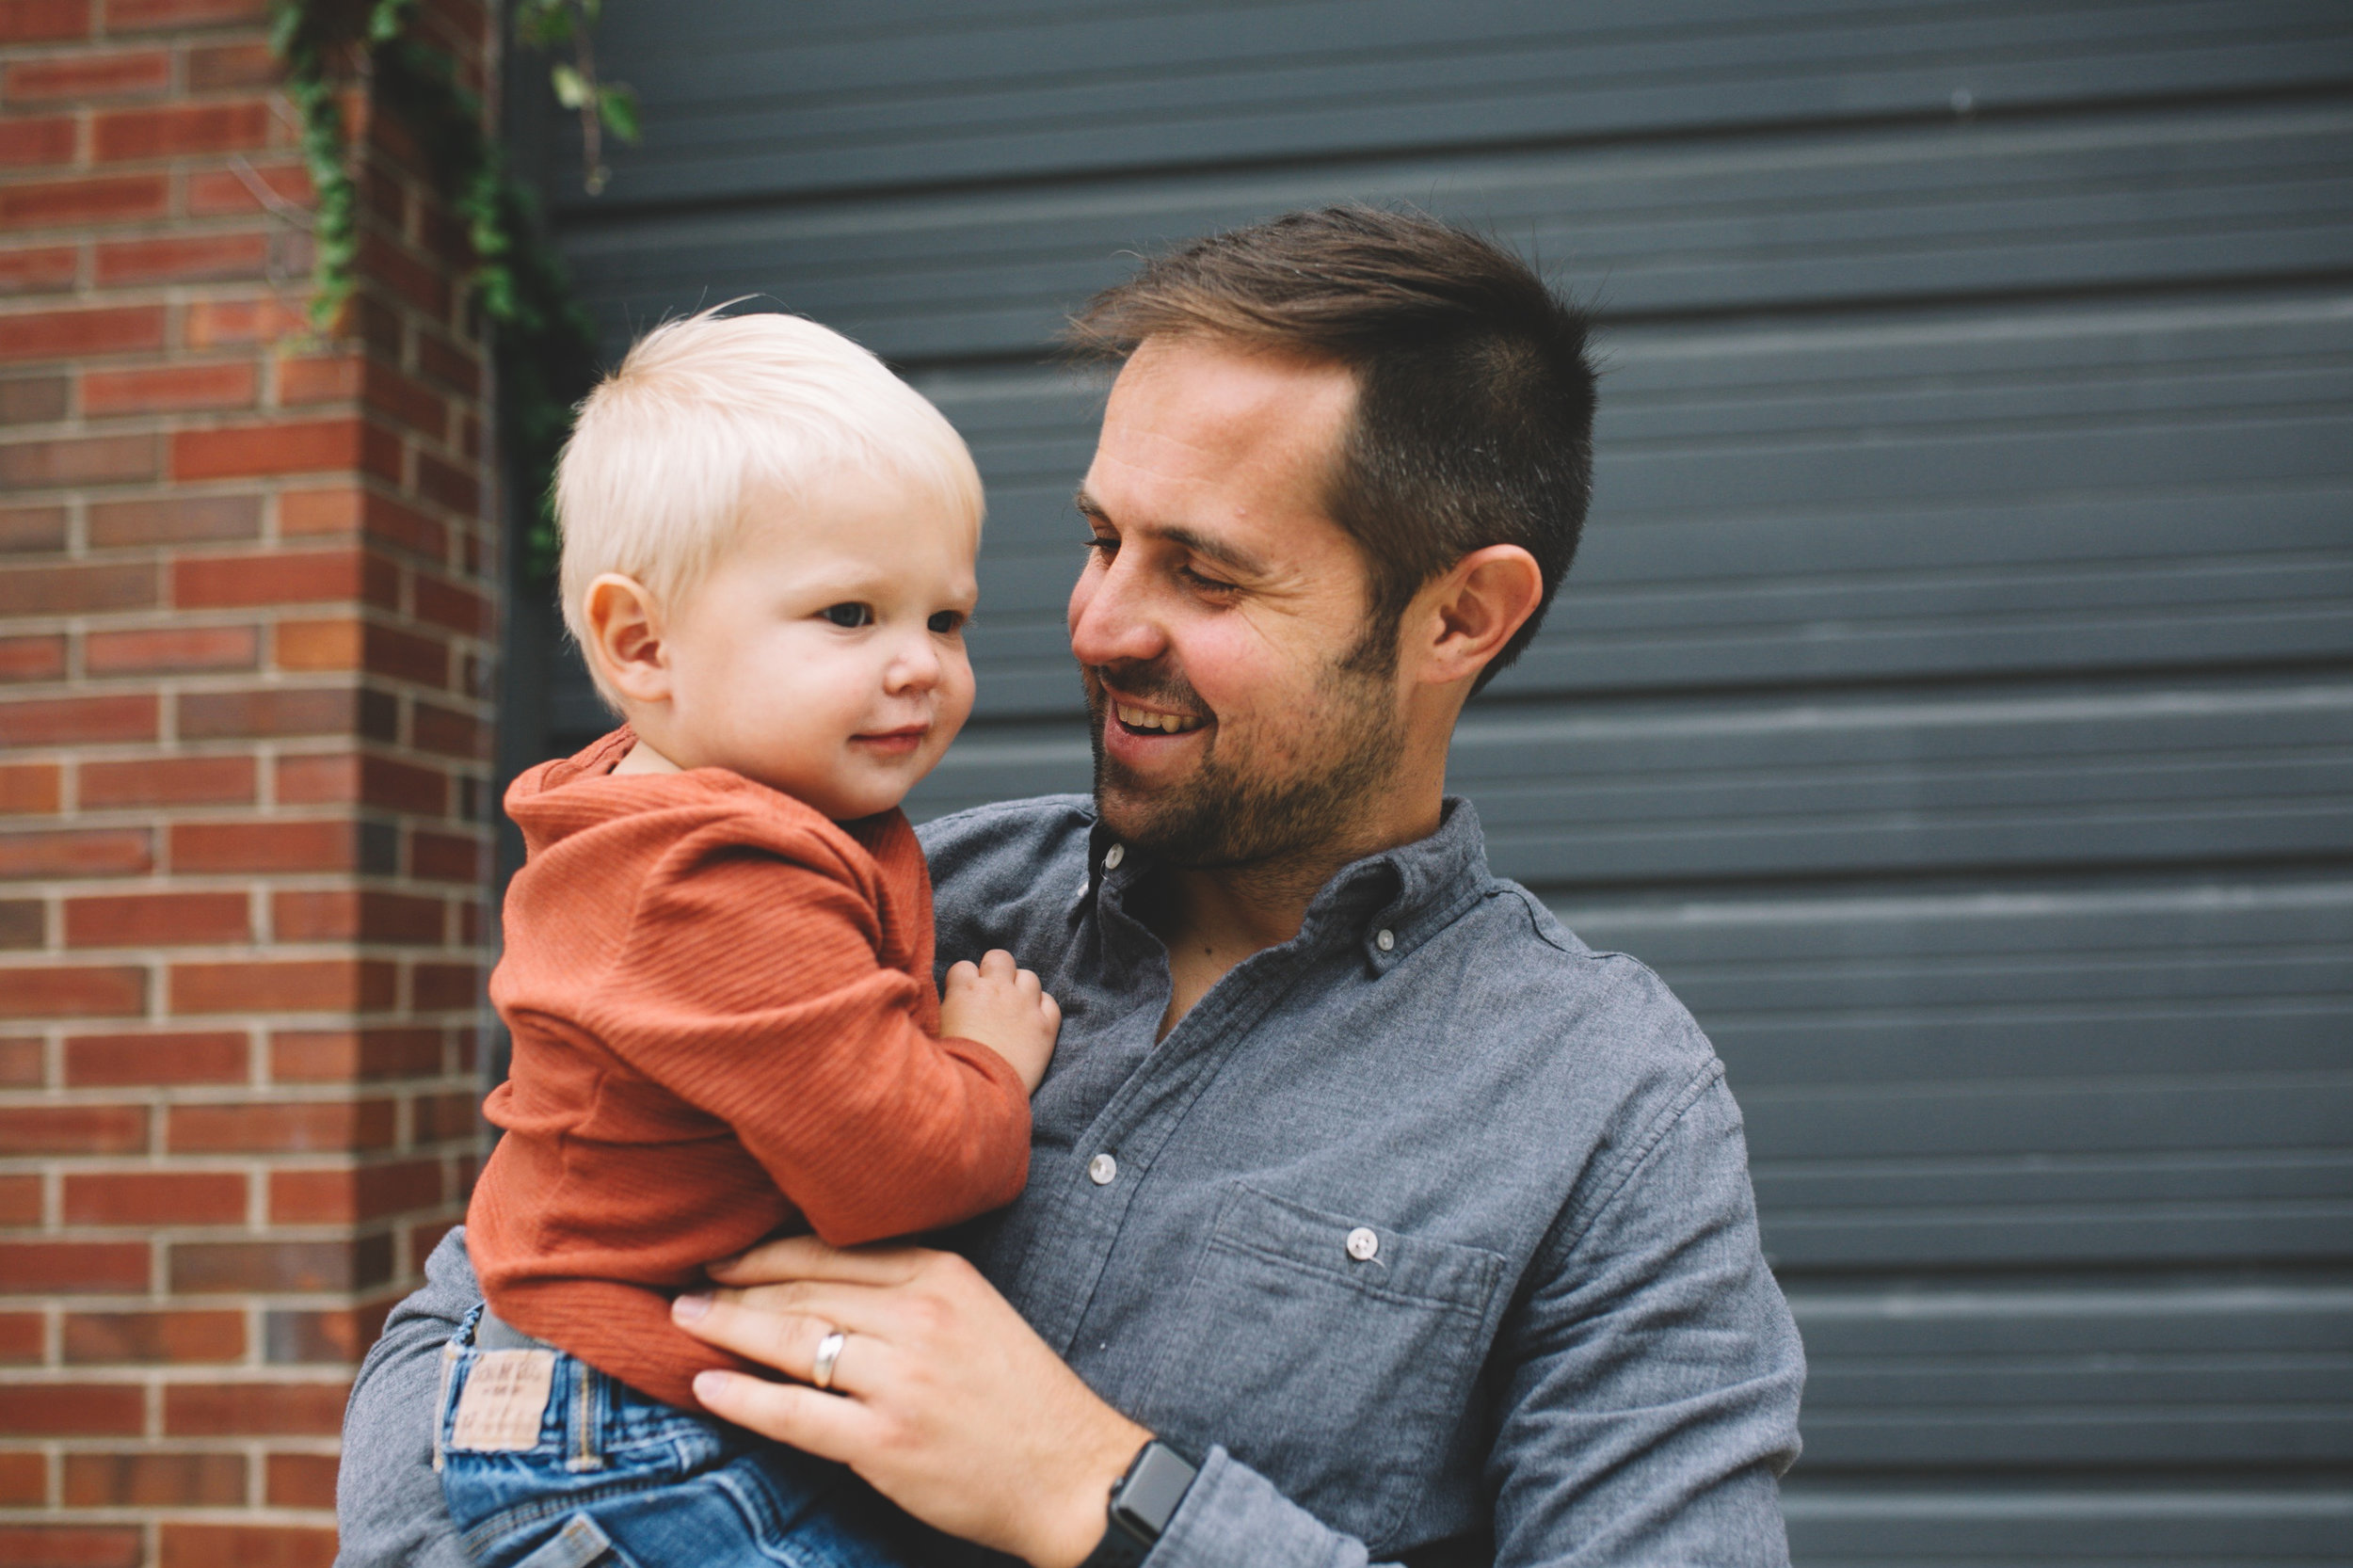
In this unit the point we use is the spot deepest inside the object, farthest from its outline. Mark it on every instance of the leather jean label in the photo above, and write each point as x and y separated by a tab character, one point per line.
505	1399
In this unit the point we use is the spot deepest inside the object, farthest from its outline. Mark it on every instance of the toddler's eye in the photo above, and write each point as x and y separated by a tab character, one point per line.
946	622
849	617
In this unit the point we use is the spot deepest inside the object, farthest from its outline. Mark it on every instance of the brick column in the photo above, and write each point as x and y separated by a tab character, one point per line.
247	639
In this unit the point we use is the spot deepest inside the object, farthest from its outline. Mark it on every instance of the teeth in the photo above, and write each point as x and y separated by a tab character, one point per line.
1143	718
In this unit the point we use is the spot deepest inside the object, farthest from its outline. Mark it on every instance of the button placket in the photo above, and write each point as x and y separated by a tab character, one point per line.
1142	1116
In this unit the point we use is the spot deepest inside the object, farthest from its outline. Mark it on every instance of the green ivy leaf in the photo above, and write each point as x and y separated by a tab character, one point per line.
386	19
544	24
572	88
285	28
618	106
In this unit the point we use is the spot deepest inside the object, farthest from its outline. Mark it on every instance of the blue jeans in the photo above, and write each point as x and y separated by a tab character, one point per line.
621	1480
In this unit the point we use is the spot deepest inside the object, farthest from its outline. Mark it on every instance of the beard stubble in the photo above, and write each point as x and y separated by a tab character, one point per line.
1234	810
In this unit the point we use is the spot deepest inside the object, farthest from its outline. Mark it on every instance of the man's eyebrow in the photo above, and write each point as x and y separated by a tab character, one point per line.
1184	538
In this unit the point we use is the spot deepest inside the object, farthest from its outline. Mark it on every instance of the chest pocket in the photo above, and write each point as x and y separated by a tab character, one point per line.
1332	1355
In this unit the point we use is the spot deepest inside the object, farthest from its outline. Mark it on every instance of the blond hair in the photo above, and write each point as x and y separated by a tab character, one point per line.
711	410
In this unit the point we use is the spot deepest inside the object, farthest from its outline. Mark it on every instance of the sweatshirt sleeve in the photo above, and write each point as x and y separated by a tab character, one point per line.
750	986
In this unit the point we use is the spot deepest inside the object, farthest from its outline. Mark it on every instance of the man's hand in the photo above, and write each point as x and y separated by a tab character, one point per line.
942	1397
1004	1008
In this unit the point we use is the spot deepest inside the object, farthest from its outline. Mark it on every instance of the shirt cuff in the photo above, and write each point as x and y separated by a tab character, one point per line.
1233	1517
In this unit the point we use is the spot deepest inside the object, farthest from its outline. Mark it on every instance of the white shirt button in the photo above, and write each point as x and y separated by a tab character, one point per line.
1386	939
1362	1245
1113	855
1102	1170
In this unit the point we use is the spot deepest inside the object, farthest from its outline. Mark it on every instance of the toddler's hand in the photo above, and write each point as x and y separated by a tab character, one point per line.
1005	1009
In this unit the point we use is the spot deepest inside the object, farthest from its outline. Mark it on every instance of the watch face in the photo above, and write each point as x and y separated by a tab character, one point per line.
1149	1497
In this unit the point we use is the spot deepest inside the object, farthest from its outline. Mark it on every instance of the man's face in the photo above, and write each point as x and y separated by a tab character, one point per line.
1215	621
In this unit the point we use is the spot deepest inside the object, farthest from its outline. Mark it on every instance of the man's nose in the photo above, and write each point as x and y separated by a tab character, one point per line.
1113	617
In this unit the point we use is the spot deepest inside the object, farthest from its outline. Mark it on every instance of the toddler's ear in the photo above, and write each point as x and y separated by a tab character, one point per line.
624	643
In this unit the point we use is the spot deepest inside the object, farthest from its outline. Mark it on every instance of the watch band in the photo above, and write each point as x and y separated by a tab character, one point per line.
1145	1499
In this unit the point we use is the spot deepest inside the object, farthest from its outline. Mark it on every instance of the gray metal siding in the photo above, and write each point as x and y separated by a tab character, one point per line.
1953	699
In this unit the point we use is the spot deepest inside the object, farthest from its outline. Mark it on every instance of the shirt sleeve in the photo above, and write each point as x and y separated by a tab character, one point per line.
751	986
389	1511
1650	1384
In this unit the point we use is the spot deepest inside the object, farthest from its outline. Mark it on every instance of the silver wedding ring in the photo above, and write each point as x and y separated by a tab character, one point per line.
828	1352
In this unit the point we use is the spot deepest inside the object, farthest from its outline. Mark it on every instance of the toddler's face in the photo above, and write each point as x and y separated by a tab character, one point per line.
823	655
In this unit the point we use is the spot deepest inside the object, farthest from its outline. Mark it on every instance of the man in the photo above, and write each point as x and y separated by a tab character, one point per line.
1370	1215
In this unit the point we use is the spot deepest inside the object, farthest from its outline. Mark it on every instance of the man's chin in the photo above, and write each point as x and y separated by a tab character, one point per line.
1134	810
1124	808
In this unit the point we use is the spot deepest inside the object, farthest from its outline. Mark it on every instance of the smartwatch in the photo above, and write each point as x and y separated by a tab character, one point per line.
1142	1505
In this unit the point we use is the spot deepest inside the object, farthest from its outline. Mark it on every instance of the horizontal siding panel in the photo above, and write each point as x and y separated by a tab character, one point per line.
1867	989
2246	1113
2021	1526
1993	1237
2122	1434
2160	1178
802	101
1879	789
2118	1318
2236	195
2186	1376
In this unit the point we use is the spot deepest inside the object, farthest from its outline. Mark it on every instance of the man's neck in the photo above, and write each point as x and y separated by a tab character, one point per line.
1211	919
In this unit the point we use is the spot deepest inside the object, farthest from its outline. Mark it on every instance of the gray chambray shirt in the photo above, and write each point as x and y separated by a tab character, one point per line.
1431	1226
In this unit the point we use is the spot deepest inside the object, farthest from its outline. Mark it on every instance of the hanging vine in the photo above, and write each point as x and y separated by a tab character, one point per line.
602	106
542	341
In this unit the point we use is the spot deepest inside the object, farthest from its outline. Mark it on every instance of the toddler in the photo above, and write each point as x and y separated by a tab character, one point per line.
717	969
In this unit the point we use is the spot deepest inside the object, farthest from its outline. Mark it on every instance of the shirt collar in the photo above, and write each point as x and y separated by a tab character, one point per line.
1409	892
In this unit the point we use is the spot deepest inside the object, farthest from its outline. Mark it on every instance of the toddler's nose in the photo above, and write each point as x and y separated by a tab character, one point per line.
914	665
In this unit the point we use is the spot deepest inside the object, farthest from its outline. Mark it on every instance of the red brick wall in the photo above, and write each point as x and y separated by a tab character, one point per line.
247	631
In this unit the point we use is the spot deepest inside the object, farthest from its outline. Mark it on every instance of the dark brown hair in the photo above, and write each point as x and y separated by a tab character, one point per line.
1475	399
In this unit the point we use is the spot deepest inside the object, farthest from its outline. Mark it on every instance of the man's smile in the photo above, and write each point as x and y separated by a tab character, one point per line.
1147	719
1128	716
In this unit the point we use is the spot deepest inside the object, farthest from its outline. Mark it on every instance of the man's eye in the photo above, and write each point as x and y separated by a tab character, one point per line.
947	623
1207	585
849	617
1103	545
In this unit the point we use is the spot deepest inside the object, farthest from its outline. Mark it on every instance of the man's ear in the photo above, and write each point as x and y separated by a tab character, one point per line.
1461	618
624	643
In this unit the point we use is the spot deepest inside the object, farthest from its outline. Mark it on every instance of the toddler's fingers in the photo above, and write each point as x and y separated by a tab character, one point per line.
1050	1009
963	972
1028	982
997	963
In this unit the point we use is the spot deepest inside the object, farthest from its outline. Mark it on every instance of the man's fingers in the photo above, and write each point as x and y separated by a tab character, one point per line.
806	1258
822	1424
786	1341
783	1325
